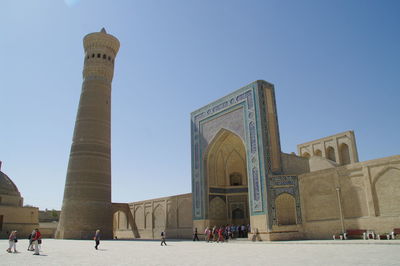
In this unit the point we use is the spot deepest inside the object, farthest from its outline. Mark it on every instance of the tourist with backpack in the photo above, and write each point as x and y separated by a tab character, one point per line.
30	237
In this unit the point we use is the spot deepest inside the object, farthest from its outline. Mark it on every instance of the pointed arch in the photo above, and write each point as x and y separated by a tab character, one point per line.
171	217
219	169
383	171
225	164
216	140
120	220
225	155
344	154
285	209
235	168
330	153
158	217
139	217
147	220
217	209
386	189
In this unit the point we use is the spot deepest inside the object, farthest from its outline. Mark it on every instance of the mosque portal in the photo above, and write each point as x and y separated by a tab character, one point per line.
235	152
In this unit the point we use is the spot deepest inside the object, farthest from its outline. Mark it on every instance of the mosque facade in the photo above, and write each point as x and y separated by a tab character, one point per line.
239	174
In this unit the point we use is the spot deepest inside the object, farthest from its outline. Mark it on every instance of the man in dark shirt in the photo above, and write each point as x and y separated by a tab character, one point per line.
97	238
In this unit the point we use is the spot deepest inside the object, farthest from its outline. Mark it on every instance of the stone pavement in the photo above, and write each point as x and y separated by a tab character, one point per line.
120	252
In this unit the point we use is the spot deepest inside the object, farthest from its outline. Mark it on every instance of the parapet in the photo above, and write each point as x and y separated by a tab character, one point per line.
340	148
101	39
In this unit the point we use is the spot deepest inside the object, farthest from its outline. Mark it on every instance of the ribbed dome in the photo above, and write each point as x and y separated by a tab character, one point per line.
7	187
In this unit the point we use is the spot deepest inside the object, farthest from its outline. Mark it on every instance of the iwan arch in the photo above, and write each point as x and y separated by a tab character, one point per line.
226	173
239	173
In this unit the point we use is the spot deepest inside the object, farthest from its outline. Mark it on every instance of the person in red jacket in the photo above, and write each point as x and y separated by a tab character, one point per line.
220	234
37	237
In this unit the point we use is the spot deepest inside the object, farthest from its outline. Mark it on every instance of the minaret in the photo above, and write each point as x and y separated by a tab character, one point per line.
87	195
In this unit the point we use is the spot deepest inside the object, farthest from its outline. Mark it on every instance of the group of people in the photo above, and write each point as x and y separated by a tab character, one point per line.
215	234
224	233
35	239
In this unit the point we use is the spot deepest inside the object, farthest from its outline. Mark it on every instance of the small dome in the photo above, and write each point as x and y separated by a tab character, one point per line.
7	186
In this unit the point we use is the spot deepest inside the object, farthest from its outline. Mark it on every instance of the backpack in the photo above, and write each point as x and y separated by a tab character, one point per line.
162	233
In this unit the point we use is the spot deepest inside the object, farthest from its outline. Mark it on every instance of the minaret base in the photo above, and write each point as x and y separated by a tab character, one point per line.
85	227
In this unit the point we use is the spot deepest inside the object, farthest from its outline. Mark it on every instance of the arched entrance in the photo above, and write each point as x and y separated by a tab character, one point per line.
225	164
330	154
344	154
122	221
285	209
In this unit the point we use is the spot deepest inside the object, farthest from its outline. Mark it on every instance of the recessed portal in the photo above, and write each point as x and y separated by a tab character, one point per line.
120	222
227	180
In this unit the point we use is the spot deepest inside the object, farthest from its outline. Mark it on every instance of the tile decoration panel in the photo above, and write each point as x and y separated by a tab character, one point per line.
228	190
284	184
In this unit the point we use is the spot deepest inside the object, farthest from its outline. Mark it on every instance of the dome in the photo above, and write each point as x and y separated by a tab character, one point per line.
7	186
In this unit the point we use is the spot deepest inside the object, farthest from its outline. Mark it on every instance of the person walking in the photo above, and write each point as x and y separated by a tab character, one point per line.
215	233
226	233
243	229
208	234
195	236
37	237
220	234
12	240
30	237
163	238
230	233
97	239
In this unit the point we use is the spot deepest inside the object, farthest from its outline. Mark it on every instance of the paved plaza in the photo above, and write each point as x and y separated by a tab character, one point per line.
120	252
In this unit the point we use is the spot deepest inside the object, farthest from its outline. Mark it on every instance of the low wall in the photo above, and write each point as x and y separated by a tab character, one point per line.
147	219
358	196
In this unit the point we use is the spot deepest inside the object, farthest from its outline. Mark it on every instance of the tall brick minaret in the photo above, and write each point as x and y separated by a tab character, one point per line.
87	195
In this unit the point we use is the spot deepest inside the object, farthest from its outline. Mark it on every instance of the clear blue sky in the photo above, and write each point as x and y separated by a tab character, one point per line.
335	66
